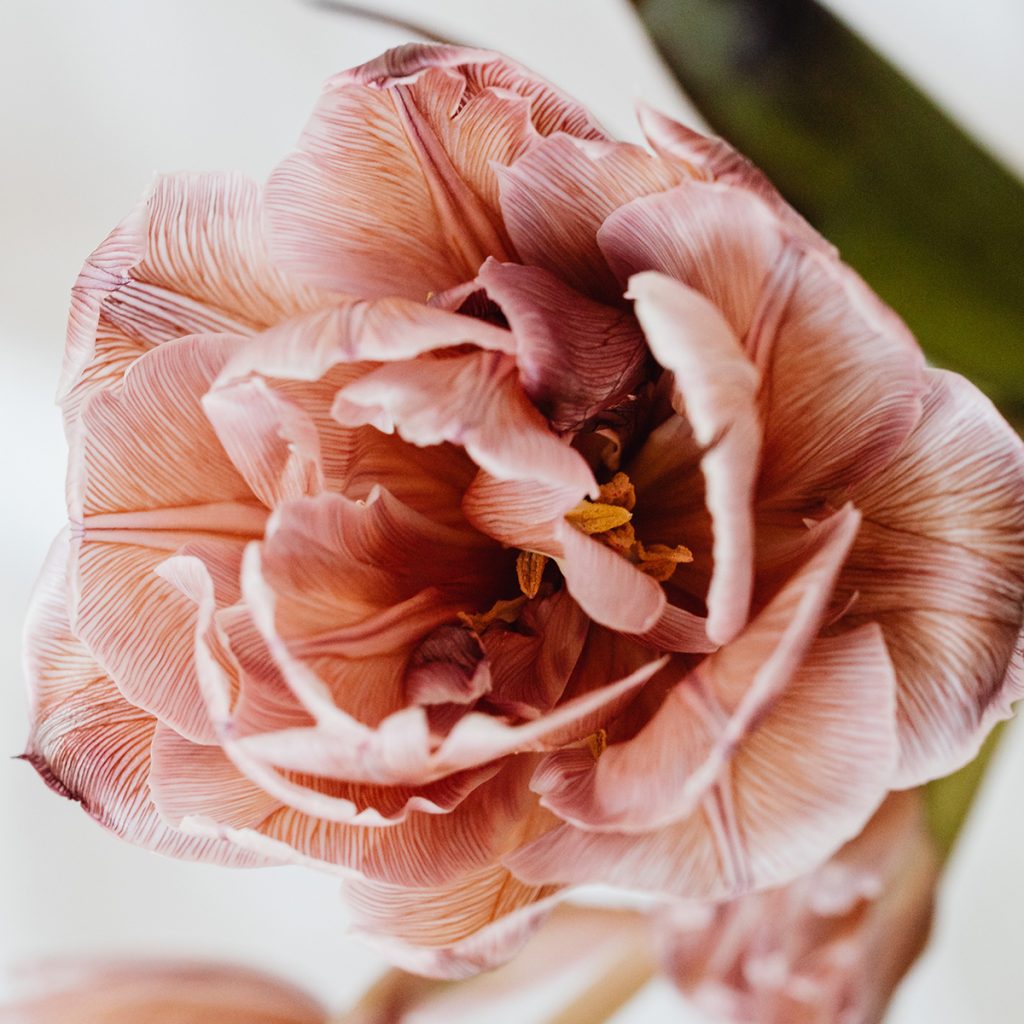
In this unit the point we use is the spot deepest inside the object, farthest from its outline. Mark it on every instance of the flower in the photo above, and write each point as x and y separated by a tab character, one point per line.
159	992
826	949
486	506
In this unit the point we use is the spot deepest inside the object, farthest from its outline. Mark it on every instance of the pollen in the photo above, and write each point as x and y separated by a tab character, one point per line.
593	517
501	611
529	571
609	520
597	742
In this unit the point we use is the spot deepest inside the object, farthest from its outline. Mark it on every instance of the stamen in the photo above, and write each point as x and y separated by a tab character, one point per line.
592	517
500	611
597	742
529	571
659	560
609	520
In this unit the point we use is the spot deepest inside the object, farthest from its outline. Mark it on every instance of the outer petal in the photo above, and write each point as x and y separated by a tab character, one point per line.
189	259
87	742
453	931
798	788
393	188
843	382
556	196
716	389
473	400
940	565
148	475
715	159
662	773
129	992
723	242
829	947
575	357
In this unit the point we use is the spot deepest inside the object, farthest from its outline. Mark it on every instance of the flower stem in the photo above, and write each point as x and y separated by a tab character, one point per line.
611	991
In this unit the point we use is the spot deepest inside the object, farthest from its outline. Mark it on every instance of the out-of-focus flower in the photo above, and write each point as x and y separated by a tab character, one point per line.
826	949
159	993
486	506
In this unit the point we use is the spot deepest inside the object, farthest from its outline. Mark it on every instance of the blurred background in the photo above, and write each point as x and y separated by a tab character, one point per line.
98	96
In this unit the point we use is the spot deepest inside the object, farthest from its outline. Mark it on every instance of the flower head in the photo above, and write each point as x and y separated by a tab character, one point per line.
486	506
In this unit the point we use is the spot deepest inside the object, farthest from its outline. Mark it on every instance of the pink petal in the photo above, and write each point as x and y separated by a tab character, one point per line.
716	388
140	629
715	160
555	197
830	946
272	441
473	400
804	781
722	242
663	773
385	330
146	445
87	742
422	850
530	666
551	110
575	357
189	259
611	590
393	188
453	931
843	382
939	566
127	992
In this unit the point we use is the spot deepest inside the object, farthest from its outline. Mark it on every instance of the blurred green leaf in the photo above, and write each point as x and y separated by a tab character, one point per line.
932	221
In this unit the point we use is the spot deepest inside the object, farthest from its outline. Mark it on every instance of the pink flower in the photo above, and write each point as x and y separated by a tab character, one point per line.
174	992
486	506
826	949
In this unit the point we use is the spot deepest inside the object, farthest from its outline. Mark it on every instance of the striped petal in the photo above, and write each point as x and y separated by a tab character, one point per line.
940	565
392	190
716	389
556	196
189	259
87	742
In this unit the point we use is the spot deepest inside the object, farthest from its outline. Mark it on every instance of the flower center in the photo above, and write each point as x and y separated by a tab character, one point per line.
608	520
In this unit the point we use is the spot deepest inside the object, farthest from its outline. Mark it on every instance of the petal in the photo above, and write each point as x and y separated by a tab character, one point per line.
393	189
189	259
385	330
146	445
556	196
722	242
272	441
576	357
661	775
940	565
530	665
453	931
421	851
87	742
551	110
716	388
714	159
140	629
97	992
473	400
843	383
803	782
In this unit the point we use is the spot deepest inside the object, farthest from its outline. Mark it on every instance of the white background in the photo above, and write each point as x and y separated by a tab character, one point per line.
97	95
